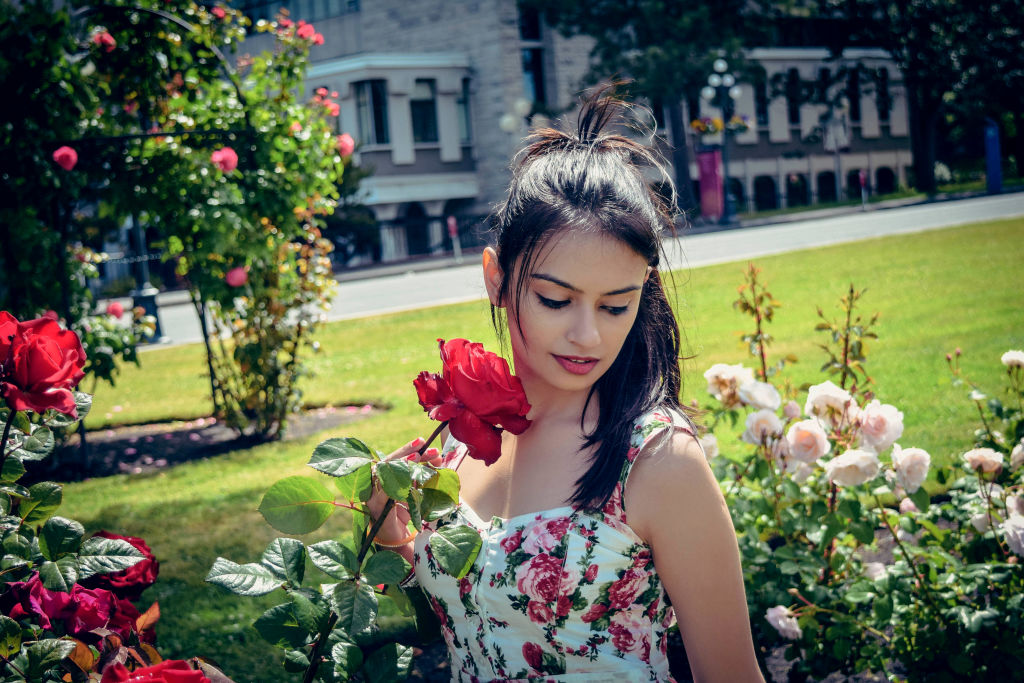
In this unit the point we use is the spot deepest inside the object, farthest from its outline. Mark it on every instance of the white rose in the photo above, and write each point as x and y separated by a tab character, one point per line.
709	443
1013	359
984	459
807	441
880	425
760	395
792	410
724	380
761	425
830	404
1017	456
980	522
1013	528
874	570
784	622
802	473
907	506
911	465
853	468
1014	505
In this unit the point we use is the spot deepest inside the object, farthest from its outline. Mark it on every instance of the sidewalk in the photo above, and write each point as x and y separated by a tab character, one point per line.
700	227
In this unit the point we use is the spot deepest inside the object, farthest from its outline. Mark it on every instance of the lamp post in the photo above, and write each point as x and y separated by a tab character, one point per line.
721	91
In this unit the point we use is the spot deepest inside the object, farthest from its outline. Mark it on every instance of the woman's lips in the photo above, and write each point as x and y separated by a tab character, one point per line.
577	365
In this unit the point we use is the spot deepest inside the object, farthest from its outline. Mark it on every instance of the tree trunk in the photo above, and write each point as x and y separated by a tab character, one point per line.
923	122
681	157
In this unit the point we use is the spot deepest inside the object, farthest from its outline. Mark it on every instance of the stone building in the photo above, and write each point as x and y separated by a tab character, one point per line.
437	95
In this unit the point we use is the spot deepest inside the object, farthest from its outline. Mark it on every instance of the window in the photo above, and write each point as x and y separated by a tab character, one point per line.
761	102
372	111
462	104
853	94
424	110
533	74
529	23
793	97
884	98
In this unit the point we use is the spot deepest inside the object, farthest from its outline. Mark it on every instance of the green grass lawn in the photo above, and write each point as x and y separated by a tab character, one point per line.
935	291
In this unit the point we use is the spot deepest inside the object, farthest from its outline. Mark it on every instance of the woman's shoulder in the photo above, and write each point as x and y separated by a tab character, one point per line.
662	420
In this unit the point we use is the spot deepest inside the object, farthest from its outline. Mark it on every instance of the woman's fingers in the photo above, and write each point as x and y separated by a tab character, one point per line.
431	456
408	449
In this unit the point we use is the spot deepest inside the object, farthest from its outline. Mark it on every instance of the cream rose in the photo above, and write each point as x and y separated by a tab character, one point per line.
1013	359
725	380
1017	456
802	472
792	410
761	425
760	395
980	522
880	425
831	404
1013	529
911	465
874	570
853	468
984	460
1014	506
907	506
807	441
709	444
784	622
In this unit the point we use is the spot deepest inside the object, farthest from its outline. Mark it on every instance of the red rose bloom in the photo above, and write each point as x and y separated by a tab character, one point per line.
539	613
346	145
532	654
115	309
128	583
65	157
225	158
477	395
104	40
306	31
218	12
167	671
40	364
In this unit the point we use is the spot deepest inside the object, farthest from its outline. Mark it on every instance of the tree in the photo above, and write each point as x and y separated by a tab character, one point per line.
952	55
666	46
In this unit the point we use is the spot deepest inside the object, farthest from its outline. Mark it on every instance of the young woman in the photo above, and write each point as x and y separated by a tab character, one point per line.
602	523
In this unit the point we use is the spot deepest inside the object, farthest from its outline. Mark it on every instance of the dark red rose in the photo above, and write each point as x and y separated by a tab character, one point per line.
512	542
65	157
595	612
94	608
40	364
591	573
477	395
46	606
128	583
532	654
563	605
167	671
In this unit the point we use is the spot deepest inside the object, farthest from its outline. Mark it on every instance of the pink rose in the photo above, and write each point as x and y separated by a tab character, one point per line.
563	606
542	578
236	277
591	573
532	653
880	425
464	587
65	157
318	39
595	612
512	542
225	158
544	538
627	589
539	613
853	468
104	40
807	441
218	12
306	31
333	108
346	145
631	634
115	309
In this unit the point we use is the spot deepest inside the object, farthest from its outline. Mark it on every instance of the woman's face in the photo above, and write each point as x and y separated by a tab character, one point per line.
578	304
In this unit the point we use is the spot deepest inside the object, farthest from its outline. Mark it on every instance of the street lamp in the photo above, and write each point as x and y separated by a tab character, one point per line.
721	91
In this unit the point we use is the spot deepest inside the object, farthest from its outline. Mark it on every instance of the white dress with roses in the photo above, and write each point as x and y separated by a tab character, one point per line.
559	595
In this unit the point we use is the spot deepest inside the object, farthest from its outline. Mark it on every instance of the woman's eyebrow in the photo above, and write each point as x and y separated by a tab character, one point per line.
563	283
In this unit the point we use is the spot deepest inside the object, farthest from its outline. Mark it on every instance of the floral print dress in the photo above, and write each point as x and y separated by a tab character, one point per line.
559	595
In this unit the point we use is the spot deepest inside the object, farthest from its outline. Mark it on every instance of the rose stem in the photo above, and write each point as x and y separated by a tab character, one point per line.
906	556
3	441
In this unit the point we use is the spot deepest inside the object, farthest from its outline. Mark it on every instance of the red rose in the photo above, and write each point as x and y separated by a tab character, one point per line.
627	589
346	145
236	277
65	157
94	609
477	395
532	654
590	574
333	108
306	31
512	542
225	158
318	39
168	671
542	578
33	600
115	309
464	587
218	12
128	583
539	613
563	606
40	364
105	41
595	612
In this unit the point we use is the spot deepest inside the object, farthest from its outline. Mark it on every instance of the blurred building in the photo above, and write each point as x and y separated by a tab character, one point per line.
438	96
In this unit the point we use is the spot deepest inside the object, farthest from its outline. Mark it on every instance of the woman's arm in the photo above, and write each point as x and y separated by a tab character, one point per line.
673	501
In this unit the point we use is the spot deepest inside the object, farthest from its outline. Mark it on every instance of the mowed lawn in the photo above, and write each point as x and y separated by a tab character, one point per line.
935	291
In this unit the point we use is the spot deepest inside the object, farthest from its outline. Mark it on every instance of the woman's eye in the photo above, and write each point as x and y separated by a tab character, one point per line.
616	310
552	303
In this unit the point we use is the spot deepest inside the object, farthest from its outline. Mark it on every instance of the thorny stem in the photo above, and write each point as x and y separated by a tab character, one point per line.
906	556
314	656
984	422
11	664
3	441
833	491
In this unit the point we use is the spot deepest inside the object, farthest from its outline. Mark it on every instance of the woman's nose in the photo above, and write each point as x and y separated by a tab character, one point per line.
584	332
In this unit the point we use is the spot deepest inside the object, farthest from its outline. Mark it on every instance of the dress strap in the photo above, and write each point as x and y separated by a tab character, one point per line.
650	428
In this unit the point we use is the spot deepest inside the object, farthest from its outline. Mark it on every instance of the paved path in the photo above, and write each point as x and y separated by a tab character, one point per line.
455	283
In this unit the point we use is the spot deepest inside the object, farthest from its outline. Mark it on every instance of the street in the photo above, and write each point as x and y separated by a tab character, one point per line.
418	289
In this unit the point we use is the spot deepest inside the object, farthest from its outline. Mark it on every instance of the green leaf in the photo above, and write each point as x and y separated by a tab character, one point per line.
279	626
43	655
338	457
357	485
10	637
414	502
310	609
348	658
388	664
395	478
15	489
37	445
44	499
833	525
105	555
295	661
333	559
286	558
60	536
921	499
60	575
435	504
855	596
386	566
445	481
883	607
12	471
455	547
242	579
862	531
297	505
356	606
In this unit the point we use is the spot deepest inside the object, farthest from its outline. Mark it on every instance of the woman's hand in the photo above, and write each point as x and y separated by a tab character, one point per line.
395	527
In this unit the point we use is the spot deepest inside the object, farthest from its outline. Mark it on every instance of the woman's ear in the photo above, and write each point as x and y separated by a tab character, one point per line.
493	276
